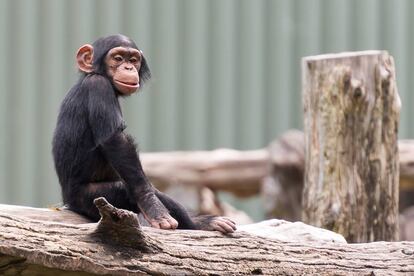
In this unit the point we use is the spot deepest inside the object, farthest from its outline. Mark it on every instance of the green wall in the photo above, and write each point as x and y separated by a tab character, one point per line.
226	73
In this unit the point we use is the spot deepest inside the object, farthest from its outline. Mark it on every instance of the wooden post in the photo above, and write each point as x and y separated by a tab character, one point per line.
351	112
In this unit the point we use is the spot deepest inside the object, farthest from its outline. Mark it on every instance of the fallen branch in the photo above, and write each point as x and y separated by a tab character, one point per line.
223	169
118	245
242	172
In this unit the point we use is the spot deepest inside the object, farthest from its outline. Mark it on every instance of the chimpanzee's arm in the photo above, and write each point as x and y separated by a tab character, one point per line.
105	120
121	153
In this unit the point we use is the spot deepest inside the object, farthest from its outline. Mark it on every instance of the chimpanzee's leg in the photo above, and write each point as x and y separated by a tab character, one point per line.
114	192
121	153
117	194
209	223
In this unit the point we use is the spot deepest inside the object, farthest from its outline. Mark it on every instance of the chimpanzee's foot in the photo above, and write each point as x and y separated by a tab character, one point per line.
213	223
157	215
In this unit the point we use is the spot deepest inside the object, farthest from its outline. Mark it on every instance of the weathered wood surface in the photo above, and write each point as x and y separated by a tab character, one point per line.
351	112
119	246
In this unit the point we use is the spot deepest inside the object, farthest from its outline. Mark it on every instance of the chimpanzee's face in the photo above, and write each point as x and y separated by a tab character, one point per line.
117	58
122	67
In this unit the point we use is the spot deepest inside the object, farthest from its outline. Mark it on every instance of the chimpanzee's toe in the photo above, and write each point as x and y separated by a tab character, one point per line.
213	223
224	225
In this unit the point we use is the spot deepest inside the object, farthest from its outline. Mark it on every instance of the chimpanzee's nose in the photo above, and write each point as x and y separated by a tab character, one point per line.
128	66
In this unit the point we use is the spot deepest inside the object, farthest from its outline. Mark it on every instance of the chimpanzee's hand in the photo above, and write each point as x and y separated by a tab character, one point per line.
156	213
213	223
161	221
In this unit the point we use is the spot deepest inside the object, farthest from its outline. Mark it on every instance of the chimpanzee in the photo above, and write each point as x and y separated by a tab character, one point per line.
94	156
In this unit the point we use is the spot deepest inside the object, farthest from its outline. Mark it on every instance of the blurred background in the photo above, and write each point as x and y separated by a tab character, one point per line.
226	73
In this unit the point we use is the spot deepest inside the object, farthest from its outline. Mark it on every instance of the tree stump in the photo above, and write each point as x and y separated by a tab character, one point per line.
351	111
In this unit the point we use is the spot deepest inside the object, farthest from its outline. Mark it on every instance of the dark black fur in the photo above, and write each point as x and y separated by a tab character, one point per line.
93	155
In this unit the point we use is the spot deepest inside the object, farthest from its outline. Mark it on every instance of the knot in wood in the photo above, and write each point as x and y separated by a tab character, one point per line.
358	90
121	227
347	75
385	78
113	215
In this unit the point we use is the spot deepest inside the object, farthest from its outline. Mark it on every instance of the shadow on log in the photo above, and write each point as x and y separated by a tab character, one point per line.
118	245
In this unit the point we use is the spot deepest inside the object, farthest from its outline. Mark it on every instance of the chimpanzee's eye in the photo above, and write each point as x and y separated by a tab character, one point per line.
133	60
118	58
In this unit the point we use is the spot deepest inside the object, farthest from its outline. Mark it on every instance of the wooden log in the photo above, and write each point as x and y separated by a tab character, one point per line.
242	173
223	169
118	245
223	166
238	172
279	180
351	110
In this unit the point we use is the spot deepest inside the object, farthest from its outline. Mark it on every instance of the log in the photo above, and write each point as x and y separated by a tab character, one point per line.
118	245
278	176
279	167
223	166
222	169
351	108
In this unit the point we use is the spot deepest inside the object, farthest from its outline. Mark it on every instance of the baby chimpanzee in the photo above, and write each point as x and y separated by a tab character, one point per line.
93	155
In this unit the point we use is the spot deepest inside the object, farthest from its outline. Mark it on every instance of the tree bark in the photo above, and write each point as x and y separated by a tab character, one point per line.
118	245
351	110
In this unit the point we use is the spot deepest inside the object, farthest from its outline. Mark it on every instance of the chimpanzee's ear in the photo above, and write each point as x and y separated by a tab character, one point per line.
84	58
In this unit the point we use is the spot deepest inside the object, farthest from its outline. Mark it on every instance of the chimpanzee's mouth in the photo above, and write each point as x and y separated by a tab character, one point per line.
127	83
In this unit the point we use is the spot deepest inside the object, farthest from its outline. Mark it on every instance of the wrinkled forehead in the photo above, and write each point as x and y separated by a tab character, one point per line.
121	50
